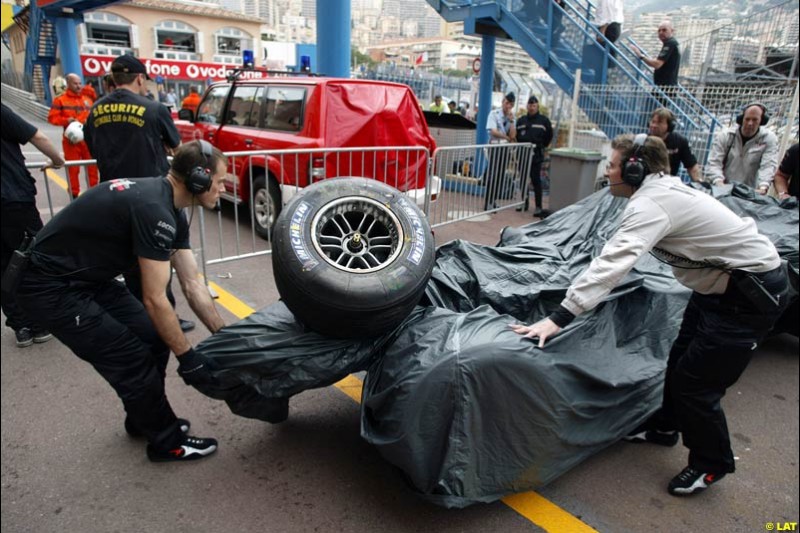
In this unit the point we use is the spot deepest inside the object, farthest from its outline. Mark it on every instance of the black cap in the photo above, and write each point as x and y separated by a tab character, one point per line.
533	100
129	65
511	97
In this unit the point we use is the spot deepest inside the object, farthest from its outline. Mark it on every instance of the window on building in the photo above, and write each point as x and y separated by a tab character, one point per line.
107	29
174	36
285	108
229	43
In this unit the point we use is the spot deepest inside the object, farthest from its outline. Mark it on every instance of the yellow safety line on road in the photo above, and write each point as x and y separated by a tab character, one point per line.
531	505
61	182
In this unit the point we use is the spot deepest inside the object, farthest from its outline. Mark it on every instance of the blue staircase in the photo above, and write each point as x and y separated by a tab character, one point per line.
40	52
562	40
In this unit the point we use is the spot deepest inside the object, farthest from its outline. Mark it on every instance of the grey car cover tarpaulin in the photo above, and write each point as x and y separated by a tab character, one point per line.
467	409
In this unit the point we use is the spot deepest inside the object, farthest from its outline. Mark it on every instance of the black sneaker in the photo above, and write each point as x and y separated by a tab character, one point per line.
41	335
186	325
653	436
690	481
24	337
136	433
192	448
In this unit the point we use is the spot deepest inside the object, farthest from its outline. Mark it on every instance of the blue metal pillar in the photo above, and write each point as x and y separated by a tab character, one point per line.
333	38
67	35
486	85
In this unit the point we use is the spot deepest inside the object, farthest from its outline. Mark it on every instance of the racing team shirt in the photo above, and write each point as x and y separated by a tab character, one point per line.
671	56
753	162
126	133
683	222
679	152
101	234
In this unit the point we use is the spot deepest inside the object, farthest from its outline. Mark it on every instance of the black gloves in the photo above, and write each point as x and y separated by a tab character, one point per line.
195	369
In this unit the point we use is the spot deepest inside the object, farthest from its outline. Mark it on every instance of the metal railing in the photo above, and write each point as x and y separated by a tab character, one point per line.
724	102
478	179
455	184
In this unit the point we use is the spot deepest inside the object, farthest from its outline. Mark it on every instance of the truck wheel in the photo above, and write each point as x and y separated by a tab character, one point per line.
266	205
351	257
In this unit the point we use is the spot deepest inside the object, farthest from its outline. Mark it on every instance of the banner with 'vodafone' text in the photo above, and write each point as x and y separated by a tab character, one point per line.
95	66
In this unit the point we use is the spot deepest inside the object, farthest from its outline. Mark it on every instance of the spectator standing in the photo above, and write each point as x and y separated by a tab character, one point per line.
786	177
73	106
438	106
452	108
662	125
172	99
192	101
666	64
502	129
20	214
534	128
746	153
609	19
70	283
713	252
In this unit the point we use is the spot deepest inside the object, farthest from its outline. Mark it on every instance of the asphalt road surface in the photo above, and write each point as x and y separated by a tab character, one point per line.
68	466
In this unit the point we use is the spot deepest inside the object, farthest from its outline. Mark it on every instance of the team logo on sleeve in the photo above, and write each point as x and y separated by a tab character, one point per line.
120	184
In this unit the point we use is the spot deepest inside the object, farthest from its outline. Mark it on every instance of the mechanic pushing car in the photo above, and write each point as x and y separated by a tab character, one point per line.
740	290
70	286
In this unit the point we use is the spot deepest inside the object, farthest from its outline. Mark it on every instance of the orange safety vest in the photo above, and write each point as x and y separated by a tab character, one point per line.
191	102
69	105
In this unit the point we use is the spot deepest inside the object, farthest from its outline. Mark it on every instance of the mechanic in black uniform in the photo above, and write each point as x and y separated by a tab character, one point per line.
786	177
662	125
70	286
20	214
534	128
130	135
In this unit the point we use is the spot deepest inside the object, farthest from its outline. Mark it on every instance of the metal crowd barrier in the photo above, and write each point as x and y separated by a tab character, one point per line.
455	184
479	179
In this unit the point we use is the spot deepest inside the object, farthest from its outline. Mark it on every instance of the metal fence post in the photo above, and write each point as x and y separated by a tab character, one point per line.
787	128
573	115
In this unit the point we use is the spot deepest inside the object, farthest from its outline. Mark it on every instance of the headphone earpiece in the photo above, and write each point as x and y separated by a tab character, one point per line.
671	123
634	170
198	180
764	113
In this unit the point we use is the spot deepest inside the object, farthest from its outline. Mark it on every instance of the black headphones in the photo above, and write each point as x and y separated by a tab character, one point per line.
634	170
670	121
764	113
198	180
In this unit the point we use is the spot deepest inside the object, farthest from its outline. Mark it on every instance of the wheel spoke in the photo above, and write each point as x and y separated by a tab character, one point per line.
358	234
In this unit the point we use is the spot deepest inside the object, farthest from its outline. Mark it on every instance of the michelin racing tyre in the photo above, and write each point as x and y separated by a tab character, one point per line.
351	257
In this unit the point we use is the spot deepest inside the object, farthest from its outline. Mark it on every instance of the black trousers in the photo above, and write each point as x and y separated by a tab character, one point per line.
17	219
535	176
612	33
717	338
103	324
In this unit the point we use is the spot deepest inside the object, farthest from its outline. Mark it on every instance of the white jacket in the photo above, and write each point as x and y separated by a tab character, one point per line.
682	221
753	163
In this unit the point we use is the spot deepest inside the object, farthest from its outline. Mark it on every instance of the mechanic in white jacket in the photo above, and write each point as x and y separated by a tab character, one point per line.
739	292
745	153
